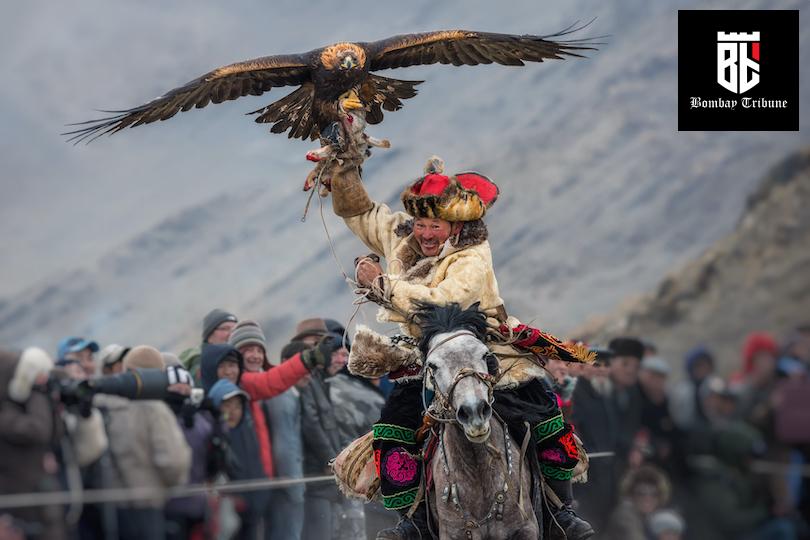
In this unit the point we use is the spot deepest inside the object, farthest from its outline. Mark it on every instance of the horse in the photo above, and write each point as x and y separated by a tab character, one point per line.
481	486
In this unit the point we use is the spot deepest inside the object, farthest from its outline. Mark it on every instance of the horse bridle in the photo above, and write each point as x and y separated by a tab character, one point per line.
446	400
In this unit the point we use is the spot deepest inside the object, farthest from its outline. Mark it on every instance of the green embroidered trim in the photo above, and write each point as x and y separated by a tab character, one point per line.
548	428
390	432
556	473
399	500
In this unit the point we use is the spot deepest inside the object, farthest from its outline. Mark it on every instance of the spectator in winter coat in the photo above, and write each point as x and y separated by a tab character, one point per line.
216	329
643	491
656	422
286	514
148	450
111	359
322	442
357	404
80	350
685	400
30	430
596	421
232	404
726	499
186	517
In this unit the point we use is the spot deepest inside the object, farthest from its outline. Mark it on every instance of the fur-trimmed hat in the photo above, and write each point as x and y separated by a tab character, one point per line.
144	357
32	362
463	197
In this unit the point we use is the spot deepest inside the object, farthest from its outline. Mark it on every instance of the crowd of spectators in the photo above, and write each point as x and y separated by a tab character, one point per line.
674	457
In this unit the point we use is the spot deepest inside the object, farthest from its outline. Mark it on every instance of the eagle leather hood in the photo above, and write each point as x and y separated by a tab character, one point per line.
210	358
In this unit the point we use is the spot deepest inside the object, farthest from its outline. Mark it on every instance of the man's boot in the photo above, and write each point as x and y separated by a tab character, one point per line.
414	528
575	527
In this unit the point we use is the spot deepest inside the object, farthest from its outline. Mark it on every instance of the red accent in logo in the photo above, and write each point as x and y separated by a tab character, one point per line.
755	51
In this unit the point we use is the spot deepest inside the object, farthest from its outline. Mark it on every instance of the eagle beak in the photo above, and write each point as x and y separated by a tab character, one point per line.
348	63
352	102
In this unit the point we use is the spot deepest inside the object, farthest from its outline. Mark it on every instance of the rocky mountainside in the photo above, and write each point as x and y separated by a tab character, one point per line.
756	278
134	238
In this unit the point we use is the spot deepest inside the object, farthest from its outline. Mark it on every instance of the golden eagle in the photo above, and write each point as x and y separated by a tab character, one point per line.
325	74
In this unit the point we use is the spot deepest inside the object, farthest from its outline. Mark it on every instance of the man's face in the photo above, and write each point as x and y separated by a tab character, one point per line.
86	362
254	357
221	333
339	359
74	371
432	233
231	410
654	384
624	370
702	369
228	369
764	366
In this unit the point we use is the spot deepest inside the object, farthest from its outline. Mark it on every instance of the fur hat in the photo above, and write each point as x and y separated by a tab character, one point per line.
33	361
214	318
144	357
374	354
463	197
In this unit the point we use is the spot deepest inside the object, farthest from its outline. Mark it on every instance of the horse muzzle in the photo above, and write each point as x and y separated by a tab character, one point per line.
474	419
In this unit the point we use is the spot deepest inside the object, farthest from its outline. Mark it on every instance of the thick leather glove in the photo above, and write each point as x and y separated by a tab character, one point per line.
320	356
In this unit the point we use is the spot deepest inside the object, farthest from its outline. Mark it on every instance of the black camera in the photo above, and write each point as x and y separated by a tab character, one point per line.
132	384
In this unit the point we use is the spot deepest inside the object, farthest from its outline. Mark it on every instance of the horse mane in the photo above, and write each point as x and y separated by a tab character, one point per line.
434	319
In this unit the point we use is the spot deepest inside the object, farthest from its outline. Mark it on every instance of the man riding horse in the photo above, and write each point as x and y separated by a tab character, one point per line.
438	252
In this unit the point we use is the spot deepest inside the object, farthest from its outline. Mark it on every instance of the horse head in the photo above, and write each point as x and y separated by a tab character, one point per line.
459	365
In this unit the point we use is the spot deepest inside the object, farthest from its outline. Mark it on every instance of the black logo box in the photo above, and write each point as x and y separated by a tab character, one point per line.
778	70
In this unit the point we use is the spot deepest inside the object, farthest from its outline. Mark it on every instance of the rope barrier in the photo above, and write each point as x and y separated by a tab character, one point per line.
92	496
117	495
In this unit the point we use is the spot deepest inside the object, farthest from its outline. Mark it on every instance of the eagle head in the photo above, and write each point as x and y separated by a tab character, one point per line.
348	61
343	56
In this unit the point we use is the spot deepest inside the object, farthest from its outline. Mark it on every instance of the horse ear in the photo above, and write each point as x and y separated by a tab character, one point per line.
476	306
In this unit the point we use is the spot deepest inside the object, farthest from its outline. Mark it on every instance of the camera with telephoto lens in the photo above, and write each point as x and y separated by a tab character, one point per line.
132	384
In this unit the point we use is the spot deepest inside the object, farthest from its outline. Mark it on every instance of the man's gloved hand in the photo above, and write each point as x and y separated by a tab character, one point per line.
180	380
320	356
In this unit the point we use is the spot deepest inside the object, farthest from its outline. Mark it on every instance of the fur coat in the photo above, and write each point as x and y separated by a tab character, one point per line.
462	272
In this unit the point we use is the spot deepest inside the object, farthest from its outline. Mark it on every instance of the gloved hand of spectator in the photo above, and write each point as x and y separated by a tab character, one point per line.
180	380
320	356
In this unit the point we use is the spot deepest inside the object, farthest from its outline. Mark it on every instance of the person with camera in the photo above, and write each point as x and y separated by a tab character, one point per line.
31	430
147	448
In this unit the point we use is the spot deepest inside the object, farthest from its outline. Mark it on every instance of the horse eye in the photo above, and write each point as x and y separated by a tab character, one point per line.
432	366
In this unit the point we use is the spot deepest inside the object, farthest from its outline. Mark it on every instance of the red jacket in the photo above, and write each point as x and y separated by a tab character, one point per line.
265	385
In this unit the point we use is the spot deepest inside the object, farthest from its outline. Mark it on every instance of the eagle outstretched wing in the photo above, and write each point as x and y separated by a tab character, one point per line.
465	47
252	77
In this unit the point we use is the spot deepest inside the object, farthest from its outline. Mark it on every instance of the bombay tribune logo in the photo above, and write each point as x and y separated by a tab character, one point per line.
737	71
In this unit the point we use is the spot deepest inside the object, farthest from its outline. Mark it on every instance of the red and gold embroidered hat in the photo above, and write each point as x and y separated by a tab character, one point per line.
463	197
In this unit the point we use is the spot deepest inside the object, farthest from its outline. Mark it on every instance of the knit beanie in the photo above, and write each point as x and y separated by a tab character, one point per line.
32	362
248	333
214	318
144	357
